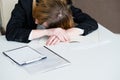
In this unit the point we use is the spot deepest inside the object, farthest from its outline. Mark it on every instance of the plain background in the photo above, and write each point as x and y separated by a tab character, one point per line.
106	12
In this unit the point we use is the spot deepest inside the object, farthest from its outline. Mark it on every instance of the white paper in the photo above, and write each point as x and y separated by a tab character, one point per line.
24	55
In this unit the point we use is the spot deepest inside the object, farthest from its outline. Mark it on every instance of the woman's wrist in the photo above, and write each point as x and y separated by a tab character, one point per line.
37	34
75	31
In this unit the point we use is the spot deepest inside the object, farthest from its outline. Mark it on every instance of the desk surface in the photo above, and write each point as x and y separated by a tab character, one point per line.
99	60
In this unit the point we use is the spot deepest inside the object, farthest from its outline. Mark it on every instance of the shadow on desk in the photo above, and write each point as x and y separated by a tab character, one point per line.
2	31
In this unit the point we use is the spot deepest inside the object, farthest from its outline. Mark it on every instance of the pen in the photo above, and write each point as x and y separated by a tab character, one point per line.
34	60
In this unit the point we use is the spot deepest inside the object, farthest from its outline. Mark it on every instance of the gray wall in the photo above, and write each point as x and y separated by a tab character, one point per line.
106	12
0	19
0	23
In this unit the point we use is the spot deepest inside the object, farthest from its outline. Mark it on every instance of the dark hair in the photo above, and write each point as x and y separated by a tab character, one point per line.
55	12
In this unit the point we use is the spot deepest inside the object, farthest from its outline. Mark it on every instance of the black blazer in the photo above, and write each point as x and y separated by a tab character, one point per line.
21	22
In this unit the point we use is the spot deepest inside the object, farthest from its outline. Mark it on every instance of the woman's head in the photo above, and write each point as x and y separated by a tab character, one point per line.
55	12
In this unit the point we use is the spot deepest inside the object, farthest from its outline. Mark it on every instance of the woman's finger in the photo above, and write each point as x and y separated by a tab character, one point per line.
50	40
55	41
62	36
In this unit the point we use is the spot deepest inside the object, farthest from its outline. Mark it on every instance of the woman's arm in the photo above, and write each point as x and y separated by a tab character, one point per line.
19	26
83	20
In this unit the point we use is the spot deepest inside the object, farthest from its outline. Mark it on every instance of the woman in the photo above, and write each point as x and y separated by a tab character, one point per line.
56	16
22	26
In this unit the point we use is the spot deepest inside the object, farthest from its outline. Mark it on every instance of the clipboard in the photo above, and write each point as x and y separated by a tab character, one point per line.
41	59
24	55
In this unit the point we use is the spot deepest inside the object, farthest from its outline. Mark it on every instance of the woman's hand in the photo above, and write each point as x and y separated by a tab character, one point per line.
59	33
74	32
53	40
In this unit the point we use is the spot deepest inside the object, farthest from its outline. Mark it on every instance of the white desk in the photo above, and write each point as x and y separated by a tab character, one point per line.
98	60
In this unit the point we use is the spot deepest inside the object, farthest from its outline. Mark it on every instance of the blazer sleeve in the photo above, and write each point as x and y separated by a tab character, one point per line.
83	20
17	28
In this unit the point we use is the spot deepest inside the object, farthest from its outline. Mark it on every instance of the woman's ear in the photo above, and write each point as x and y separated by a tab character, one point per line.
45	24
36	21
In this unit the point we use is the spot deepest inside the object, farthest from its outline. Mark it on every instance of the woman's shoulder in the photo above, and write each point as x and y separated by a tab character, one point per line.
25	2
